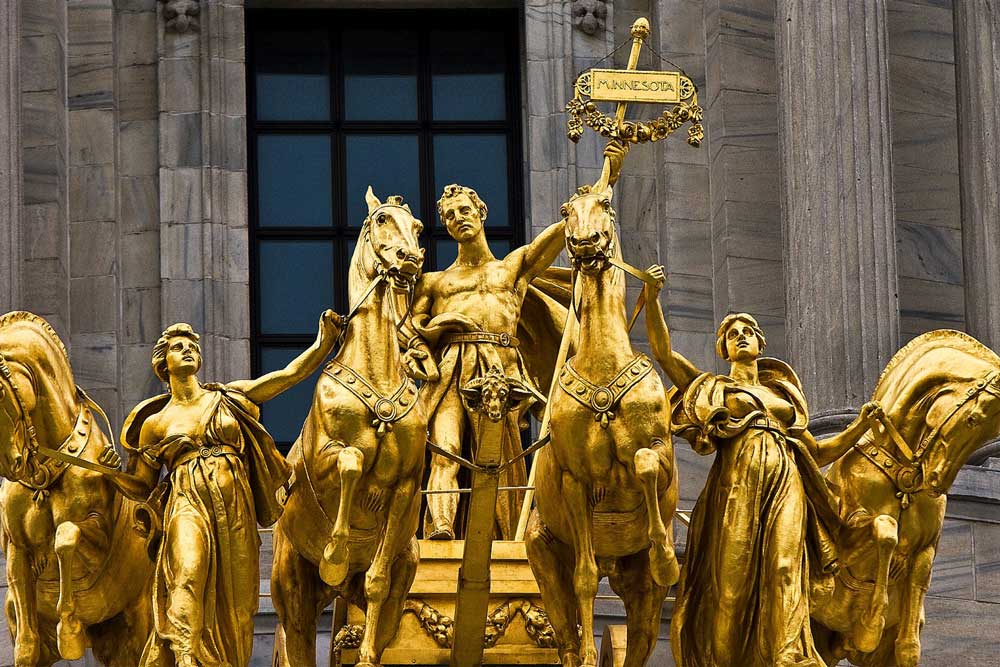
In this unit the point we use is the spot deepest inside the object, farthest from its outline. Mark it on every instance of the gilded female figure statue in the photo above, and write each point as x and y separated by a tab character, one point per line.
225	477
765	519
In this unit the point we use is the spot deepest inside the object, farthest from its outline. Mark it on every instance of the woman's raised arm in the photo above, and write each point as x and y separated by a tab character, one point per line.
268	386
678	368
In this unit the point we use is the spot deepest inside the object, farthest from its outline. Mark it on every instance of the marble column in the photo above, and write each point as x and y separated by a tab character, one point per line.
10	157
837	201
977	51
204	239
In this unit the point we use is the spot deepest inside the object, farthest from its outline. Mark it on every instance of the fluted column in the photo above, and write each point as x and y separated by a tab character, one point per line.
977	51
837	204
10	158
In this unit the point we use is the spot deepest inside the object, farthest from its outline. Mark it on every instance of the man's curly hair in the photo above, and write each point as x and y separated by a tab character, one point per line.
453	190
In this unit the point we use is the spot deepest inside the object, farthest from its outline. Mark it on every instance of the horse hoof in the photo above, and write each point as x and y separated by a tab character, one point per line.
589	659
663	565
71	639
869	635
334	564
907	653
571	659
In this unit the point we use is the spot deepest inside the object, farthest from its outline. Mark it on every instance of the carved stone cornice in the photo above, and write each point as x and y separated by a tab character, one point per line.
181	15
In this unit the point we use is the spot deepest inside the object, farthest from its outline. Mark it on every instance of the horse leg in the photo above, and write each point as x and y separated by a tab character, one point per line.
404	569
585	573
24	628
299	598
912	617
70	633
377	583
663	565
548	558
643	599
335	561
868	633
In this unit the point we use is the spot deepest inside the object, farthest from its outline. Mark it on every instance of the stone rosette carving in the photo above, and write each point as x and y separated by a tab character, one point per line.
181	15
589	15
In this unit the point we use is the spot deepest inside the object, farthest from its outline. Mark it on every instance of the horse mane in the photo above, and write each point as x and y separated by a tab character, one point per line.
16	316
956	340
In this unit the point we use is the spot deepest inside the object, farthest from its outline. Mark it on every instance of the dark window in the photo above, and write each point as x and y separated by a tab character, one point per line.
406	102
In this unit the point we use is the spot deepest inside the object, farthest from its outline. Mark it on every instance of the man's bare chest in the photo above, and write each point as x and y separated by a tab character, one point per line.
482	281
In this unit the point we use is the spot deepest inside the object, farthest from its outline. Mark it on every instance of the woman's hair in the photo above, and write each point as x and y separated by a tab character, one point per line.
160	349
454	190
728	321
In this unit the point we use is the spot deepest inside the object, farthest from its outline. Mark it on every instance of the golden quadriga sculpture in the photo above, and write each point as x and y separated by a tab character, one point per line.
66	531
225	477
606	485
349	527
772	542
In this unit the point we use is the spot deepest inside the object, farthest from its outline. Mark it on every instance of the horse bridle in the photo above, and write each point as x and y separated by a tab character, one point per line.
381	274
40	475
908	475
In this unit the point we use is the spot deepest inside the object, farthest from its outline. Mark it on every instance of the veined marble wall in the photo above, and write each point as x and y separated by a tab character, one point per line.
128	177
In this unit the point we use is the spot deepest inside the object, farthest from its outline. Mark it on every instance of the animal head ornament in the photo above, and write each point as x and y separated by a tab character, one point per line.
495	394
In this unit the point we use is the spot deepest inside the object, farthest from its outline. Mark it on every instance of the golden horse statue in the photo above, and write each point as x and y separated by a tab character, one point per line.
350	523
941	400
606	487
67	531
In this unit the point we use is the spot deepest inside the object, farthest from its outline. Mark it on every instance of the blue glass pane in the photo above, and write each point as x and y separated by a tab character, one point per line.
446	251
296	285
478	161
292	69
467	70
283	415
293	180
380	75
389	163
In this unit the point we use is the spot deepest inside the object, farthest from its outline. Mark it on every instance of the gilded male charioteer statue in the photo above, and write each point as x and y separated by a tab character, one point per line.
481	312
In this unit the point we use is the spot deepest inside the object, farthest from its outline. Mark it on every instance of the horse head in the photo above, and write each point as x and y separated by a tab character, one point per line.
495	394
591	238
943	391
38	397
392	233
17	400
962	418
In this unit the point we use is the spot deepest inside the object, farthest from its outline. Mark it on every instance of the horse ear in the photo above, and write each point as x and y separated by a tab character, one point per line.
373	202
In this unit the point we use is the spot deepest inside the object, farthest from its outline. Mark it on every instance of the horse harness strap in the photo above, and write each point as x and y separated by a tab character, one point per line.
602	399
907	477
386	409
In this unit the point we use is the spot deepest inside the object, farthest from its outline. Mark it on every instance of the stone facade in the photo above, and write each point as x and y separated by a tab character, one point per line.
846	228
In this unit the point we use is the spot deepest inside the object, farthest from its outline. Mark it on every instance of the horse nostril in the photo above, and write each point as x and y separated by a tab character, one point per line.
594	238
401	254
